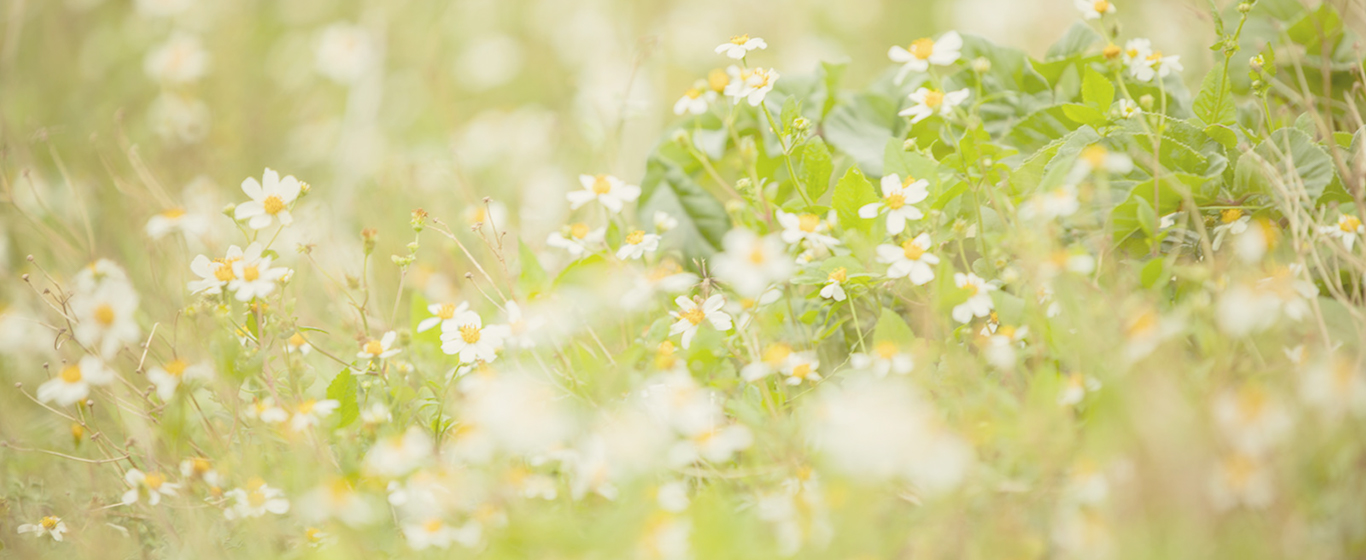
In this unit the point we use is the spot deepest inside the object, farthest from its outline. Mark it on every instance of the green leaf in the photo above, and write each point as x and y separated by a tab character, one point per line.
1154	274
343	390
851	193
702	219
817	167
1214	103
1316	27
892	328
1085	114
860	127
1147	217
1078	39
1287	155
909	164
1097	90
533	278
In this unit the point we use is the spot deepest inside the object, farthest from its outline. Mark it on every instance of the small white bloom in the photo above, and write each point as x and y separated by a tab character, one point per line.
267	411
664	222
898	198
256	500
695	100
50	525
979	302
73	384
466	336
611	192
834	284
170	376
435	533
749	263
399	455
344	52
1127	109
1094	9
270	200
692	313
176	220
1075	388
104	316
909	260
806	227
254	279
578	239
739	46
1097	158
1145	63
801	366
214	274
1347	230
441	312
311	412
928	102
1057	203
920	54
637	244
153	484
379	349
886	358
750	84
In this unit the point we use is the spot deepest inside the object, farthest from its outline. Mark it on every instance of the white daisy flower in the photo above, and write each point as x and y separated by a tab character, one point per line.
214	274
834	288
928	102
254	279
1145	63
919	55
886	358
772	361
270	200
255	500
296	343
1094	9
692	313
668	278
311	412
1057	203
979	302
1097	158
611	192
801	366
180	60
1241	480
715	444
750	84
1127	109
267	411
695	100
398	455
441	312
898	196
909	260
1075	388
578	239
466	336
176	220
1252	419
805	227
749	263
152	484
170	376
481	216
73	384
104	317
375	415
1346	230
50	525
739	46
379	349
637	244
1232	221
664	222
435	533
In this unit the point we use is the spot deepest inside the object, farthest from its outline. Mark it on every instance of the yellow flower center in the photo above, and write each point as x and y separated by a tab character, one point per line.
739	39
1112	51
838	275
757	255
223	272
896	201
200	465
801	371
886	349
104	314
922	48
250	273
273	204
635	237
176	367
971	288
313	534
693	93
297	340
1349	224
374	348
306	407
1155	58
694	316
601	185
1095	155
1102	6
777	353
717	80
432	525
1239	470
173	213
50	522
154	480
1006	331
912	250
1252	401
72	374
1230	215
470	334
934	98
256	498
446	311
808	222
579	230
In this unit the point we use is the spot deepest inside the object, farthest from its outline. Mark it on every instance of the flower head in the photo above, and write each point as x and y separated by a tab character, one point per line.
270	200
740	46
921	53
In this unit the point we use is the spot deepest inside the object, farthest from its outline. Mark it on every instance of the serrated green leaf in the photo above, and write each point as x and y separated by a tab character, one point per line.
1288	155
817	167
852	192
1097	90
1214	103
343	390
892	328
532	278
1085	114
702	219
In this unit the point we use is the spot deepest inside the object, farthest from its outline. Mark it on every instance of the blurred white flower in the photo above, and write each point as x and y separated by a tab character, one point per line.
176	220
50	525
578	239
1094	9
1057	203
1251	419
435	533
739	46
344	52
255	500
255	278
909	260
179	118
1334	387
750	84
928	102
379	349
609	191
466	336
153	484
1347	230
886	358
805	227
310	412
395	456
181	59
441	312
920	54
834	284
637	244
170	376
692	313
73	383
979	303
1075	387
1241	480
749	263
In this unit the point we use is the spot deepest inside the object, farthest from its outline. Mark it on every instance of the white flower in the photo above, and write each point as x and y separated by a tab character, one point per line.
1334	386
715	444
179	117
749	263
344	52
772	361
979	302
609	191
267	411
310	412
1075	388
1057	203
919	55
441	312
1127	109
909	260
434	532
255	278
1094	9
664	222
692	313
1145	63
695	100
673	496
740	45
73	384
396	456
336	498
801	366
577	238
490	216
898	196
179	60
931	101
466	336
750	84
375	415
168	377
380	349
667	278
1252	419
153	484
1001	342
637	244
215	273
104	317
255	500
50	525
886	358
1097	158
834	288
1231	221
1241	480
270	200
174	220
805	227
1347	230
297	343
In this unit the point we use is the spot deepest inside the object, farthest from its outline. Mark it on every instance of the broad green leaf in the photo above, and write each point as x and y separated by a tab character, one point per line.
1289	157
343	390
1154	274
1147	217
852	192
702	220
816	167
1085	114
892	328
1078	39
533	278
1323	24
1097	90
1214	103
860	127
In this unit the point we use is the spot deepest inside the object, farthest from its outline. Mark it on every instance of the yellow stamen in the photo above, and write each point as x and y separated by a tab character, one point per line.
470	334
739	39
297	340
154	480
922	48
601	185
934	98
1230	215
50	522
176	368
777	353
250	273
1112	51
578	231
1101	6
104	314
306	407
635	237
808	222
912	250
72	374
273	205
1095	155
173	213
717	80
694	316
886	349
374	348
1349	224
895	201
838	275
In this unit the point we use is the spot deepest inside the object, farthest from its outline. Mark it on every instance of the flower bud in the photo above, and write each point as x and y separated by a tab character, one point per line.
230	210
1146	101
419	220
1245	7
981	65
369	236
1112	51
